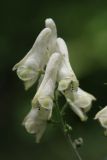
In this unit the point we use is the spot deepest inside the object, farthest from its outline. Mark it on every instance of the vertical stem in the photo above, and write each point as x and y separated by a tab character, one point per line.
75	154
63	108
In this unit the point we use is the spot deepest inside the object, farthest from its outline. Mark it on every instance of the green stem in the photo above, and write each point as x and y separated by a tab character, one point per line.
63	108
75	154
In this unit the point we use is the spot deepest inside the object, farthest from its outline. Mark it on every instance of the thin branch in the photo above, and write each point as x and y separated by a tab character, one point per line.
64	108
75	154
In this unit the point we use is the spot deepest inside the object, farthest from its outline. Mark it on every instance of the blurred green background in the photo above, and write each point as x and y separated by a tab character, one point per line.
83	25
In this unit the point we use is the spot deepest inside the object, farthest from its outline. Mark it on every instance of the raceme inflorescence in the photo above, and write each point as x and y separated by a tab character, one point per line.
48	60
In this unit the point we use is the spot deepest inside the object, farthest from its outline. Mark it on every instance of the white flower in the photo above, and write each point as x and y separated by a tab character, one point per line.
79	101
48	84
35	122
66	76
33	63
102	117
49	23
42	103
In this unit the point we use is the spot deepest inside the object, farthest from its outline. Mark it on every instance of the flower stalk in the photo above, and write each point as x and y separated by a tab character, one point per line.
66	129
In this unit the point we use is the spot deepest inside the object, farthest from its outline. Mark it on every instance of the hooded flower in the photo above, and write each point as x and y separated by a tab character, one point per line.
66	76
102	118
33	63
79	101
49	23
35	122
42	103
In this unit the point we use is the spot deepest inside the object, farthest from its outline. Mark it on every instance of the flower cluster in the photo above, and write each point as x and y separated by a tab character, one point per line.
49	55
